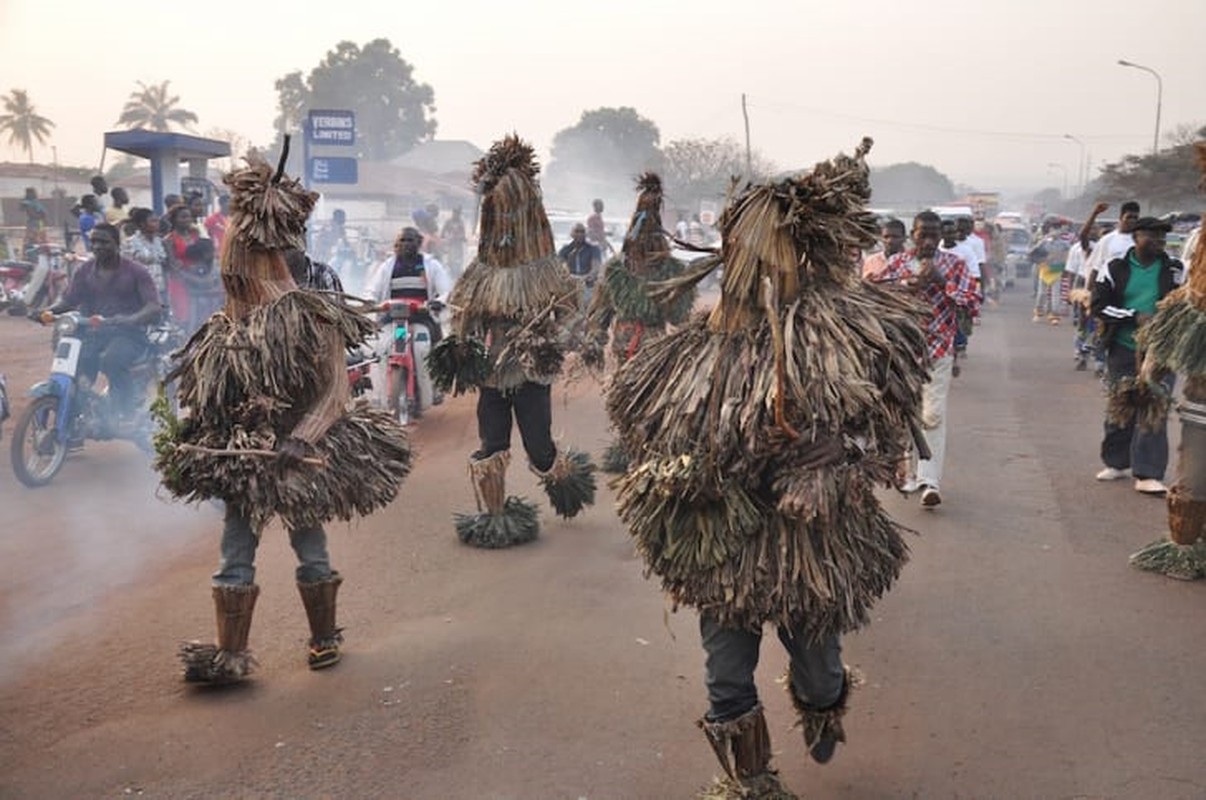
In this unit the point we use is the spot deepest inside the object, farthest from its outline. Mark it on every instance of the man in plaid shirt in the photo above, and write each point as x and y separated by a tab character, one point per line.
942	282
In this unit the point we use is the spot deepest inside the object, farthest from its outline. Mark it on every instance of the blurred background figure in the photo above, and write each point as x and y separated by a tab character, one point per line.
892	236
454	239
596	229
144	246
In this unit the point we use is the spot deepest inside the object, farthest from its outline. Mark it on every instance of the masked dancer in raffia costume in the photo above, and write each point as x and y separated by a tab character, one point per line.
512	309
1175	340
266	424
759	432
622	304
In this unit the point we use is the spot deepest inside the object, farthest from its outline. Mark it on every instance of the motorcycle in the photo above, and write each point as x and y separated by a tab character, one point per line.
66	410
4	407
35	284
360	367
408	385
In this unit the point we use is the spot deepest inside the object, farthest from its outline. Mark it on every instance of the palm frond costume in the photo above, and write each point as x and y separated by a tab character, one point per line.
623	306
511	309
266	374
759	432
1175	340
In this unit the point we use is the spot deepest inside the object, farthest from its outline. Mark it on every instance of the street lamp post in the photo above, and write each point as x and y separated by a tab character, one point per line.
1054	165
1159	98
1081	177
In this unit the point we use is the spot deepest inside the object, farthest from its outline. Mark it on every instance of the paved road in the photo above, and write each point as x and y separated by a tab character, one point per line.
1019	656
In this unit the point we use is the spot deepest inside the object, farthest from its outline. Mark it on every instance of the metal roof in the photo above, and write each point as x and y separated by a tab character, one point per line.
148	144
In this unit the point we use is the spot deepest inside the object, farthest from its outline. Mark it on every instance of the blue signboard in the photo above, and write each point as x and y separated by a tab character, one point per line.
331	127
333	170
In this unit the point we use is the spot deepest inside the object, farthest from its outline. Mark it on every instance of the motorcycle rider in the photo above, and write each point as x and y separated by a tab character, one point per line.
119	297
310	274
410	274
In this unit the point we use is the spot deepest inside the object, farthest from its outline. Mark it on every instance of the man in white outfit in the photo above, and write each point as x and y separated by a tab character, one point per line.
410	274
1116	243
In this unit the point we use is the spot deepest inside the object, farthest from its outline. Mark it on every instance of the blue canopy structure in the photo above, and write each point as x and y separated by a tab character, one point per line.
166	151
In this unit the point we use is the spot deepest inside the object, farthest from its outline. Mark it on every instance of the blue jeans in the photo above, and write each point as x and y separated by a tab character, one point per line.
817	673
239	544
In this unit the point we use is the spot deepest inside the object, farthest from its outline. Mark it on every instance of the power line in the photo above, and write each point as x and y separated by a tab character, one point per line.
939	128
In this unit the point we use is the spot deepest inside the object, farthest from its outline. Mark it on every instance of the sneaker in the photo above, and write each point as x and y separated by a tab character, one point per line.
908	486
1150	486
324	653
1111	474
1054	320
930	497
1037	317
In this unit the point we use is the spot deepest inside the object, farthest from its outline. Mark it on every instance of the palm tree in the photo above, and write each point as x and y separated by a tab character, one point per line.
22	122
152	108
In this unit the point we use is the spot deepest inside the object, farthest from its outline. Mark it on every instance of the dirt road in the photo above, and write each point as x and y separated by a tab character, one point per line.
1019	656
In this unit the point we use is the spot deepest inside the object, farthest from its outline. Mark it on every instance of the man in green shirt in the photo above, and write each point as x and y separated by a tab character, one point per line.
1124	299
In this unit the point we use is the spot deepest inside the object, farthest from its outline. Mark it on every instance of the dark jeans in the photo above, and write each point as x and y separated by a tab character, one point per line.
113	353
817	673
1144	452
532	407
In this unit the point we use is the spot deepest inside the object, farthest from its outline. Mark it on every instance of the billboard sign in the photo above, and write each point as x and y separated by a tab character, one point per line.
331	127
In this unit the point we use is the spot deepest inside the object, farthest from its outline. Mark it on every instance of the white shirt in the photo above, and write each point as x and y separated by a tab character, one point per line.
977	245
439	285
965	252
1109	247
1077	261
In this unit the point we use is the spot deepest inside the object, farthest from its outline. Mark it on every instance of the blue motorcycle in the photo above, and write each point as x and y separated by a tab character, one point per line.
66	410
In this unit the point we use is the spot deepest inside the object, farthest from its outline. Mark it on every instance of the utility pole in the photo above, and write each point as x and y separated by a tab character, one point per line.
749	161
1081	167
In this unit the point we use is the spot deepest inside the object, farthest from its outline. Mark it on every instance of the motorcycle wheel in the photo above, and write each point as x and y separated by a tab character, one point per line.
399	405
37	453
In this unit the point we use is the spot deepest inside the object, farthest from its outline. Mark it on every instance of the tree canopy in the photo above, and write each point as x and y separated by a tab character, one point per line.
703	169
153	108
1166	180
910	185
22	123
393	111
601	154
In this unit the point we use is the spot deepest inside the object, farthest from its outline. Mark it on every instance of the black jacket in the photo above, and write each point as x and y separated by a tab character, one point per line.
1109	289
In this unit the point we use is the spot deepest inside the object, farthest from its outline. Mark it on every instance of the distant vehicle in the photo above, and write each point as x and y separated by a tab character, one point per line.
1017	254
1010	219
952	212
1183	222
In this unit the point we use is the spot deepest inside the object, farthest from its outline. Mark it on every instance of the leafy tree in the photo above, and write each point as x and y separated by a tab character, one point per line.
910	185
22	122
699	169
1166	180
601	154
393	111
153	108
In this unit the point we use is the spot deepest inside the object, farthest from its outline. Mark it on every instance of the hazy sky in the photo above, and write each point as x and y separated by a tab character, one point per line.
985	91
